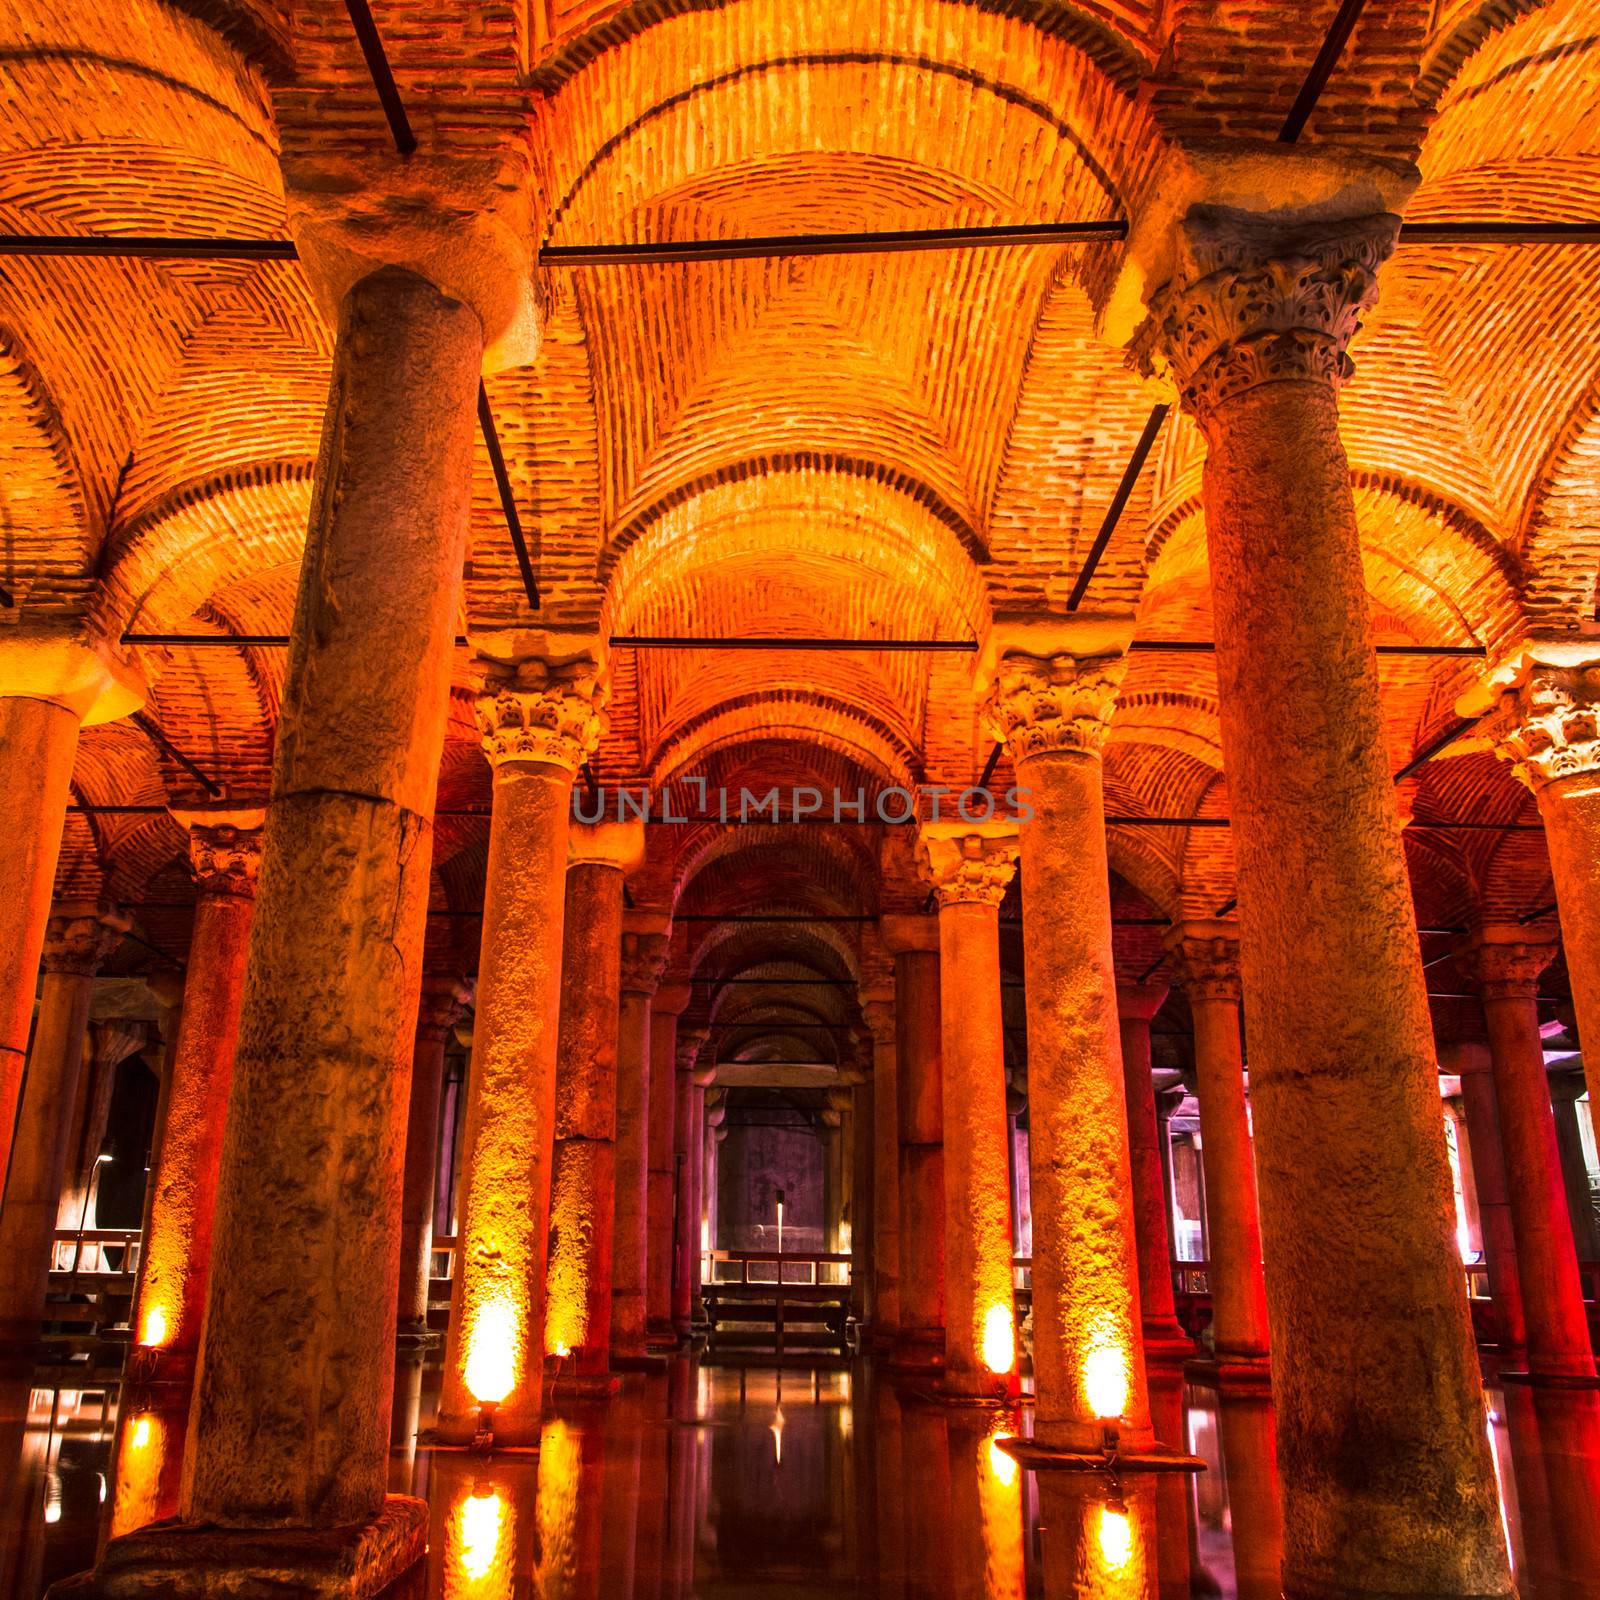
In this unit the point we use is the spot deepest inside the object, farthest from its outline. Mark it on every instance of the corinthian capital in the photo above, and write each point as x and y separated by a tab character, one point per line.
966	868
441	1005
1504	963
1550	727
543	713
1205	960
1254	302
81	935
1059	702
224	851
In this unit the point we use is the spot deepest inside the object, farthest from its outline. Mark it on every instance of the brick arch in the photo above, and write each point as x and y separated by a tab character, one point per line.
1560	533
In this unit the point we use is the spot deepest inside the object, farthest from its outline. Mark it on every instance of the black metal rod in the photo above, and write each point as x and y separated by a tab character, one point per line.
119	811
1154	967
1223	910
658	641
371	42
508	501
175	754
1130	476
990	765
1431	749
7	599
205	640
881	242
1537	913
1207	647
154	949
1586	232
1333	45
146	247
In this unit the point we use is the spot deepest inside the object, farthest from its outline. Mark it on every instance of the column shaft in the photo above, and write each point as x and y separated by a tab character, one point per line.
922	1254
689	1126
663	1122
886	1167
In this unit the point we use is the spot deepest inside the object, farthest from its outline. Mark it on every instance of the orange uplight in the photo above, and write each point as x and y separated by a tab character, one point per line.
1114	1532
478	1522
999	1339
1105	1382
1002	1465
141	1433
493	1351
154	1333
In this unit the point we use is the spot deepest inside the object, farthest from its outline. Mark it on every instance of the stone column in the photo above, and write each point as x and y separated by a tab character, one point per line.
583	1193
716	1115
1469	1059
443	1003
53	680
644	953
877	1009
1164	1338
969	874
1206	959
1456	1117
690	1126
110	1042
78	938
540	723
914	944
1252	315
1566	1089
1505	965
175	1260
862	1136
668	1003
1088	1356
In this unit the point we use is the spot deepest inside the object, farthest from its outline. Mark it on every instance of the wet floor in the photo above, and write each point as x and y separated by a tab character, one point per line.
720	1483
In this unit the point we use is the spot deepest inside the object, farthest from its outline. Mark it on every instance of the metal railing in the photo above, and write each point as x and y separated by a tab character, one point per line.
820	1269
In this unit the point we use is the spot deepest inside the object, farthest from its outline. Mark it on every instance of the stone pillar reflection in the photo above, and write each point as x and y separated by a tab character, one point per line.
877	1010
1164	1338
442	1005
79	937
1252	322
1250	1463
175	1258
968	874
1088	1355
1468	1058
914	944
1505	965
668	1003
690	1127
539	723
583	1186
644	953
1206	958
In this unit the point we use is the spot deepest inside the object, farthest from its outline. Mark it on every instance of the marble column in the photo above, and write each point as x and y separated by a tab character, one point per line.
644	953
968	874
78	938
1505	965
583	1194
1471	1060
690	1127
716	1116
1164	1338
862	1135
914	944
1566	1089
442	1005
877	1010
53	680
540	723
1052	707
175	1260
1206	959
1250	315
667	1004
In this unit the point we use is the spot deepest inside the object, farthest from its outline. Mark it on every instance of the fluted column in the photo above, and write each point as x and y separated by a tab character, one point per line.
1206	958
442	1005
583	1193
690	1130
1164	1338
175	1259
1506	965
1250	315
78	938
1088	1356
877	1010
644	953
968	874
539	724
667	1004
914	944
1470	1060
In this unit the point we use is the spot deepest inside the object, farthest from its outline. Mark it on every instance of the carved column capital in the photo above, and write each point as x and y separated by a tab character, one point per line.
1205	960
1139	1002
1550	727
644	957
543	713
1255	302
877	1012
80	935
1058	702
441	1005
226	860
690	1041
1504	964
966	869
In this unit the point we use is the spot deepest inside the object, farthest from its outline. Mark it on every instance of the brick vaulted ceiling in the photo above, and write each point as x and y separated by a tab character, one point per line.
828	446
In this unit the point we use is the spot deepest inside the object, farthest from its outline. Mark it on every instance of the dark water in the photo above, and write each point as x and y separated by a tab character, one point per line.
733	1482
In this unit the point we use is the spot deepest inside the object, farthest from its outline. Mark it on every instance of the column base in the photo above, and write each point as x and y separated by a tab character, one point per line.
1115	1463
1231	1374
177	1561
1551	1380
917	1351
483	1430
1167	1347
583	1386
411	1338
